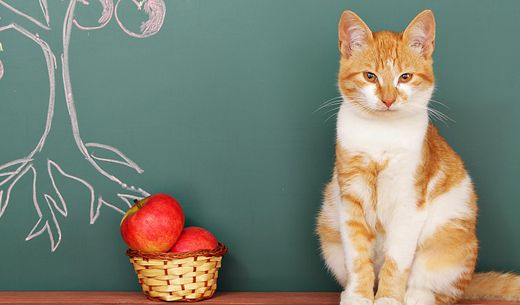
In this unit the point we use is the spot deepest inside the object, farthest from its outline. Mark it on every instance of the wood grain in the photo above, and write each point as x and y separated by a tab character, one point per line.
222	298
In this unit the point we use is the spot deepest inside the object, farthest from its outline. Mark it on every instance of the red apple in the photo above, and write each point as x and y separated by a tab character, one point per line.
153	224
194	238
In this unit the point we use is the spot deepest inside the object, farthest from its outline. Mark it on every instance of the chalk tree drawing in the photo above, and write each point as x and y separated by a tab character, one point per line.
12	171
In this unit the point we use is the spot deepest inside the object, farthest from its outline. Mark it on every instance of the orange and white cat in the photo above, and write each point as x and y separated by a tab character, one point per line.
397	224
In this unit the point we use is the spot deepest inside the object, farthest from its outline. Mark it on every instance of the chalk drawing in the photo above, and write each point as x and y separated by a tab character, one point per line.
11	172
155	10
43	7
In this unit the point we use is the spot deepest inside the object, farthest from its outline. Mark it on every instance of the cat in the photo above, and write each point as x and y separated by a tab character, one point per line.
397	223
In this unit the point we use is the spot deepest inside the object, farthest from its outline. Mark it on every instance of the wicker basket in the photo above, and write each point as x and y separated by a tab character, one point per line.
190	276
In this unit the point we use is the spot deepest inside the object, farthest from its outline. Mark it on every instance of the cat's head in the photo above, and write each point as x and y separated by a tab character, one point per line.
386	73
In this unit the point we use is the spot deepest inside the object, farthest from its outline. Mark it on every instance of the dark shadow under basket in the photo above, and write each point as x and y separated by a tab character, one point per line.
189	276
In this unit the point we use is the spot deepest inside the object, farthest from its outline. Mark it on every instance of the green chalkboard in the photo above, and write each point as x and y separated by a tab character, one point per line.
214	102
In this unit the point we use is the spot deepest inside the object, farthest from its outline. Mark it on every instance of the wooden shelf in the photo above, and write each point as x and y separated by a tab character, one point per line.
222	298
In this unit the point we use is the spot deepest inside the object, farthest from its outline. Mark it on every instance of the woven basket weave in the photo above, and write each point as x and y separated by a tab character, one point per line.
189	276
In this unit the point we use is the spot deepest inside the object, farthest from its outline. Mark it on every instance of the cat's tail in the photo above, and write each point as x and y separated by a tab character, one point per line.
494	286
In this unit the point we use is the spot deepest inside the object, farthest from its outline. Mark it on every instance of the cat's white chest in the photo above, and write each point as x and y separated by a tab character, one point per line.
397	146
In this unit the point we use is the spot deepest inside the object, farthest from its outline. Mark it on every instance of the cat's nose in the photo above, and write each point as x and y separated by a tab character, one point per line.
388	102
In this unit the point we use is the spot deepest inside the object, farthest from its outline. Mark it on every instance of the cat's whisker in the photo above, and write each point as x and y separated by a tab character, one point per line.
441	114
328	105
438	116
330	102
331	99
333	109
354	105
440	103
331	116
434	116
337	101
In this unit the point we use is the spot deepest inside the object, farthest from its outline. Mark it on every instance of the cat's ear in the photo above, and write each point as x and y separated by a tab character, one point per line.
420	33
353	33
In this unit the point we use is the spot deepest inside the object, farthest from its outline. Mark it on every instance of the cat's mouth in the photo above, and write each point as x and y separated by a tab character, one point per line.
386	110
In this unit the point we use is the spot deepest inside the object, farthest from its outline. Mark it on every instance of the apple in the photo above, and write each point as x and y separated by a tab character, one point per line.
194	238
153	224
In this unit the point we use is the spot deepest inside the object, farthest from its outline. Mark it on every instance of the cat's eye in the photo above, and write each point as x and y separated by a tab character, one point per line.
370	77
405	77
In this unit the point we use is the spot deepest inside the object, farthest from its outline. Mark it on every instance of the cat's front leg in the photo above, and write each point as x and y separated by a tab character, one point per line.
402	234
357	243
356	236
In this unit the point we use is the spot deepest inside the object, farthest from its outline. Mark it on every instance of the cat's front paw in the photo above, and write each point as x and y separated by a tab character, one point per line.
419	297
387	301
347	299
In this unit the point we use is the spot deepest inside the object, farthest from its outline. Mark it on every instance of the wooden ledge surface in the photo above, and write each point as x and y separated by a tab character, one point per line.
222	298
